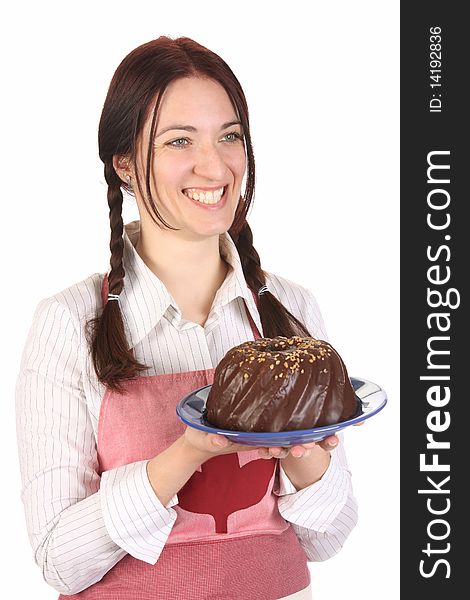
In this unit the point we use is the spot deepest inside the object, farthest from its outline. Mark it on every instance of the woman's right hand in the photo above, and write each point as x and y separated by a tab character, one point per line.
172	468
208	445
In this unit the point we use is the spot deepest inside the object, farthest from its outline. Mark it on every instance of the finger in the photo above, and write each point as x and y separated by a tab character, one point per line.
300	451
358	424
219	441
278	452
297	451
329	443
272	452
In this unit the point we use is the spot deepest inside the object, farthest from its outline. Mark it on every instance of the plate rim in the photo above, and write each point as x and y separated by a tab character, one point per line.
280	434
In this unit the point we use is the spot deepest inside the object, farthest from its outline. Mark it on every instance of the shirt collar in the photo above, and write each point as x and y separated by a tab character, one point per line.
145	299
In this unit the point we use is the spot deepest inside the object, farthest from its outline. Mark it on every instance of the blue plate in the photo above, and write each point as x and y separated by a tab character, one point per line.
371	399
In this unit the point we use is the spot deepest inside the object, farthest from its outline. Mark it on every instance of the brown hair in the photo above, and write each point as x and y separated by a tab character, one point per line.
143	75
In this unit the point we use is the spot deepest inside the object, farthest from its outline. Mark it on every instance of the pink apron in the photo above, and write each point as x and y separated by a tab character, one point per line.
229	540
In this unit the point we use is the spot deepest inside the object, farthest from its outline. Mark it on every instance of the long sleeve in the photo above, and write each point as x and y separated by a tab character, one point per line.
324	513
79	524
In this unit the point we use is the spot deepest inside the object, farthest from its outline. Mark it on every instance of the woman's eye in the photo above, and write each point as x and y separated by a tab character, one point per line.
176	143
235	134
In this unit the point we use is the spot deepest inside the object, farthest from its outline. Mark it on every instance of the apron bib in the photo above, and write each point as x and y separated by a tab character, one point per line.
229	540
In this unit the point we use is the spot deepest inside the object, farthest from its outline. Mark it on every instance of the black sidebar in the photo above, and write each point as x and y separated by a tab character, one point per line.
435	352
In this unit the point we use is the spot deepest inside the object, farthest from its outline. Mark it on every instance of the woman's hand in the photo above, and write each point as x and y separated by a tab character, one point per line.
304	464
329	443
299	451
211	444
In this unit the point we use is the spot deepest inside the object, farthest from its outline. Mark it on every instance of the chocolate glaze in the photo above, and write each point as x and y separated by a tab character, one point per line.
280	384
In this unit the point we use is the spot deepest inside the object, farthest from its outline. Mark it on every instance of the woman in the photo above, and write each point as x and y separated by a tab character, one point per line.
122	501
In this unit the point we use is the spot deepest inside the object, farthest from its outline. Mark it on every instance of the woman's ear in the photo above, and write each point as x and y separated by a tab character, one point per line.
122	167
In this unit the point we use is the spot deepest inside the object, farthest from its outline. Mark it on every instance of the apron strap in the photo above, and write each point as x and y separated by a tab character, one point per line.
254	328
105	290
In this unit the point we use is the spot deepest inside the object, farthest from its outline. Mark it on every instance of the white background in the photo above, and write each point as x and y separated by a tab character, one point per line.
321	80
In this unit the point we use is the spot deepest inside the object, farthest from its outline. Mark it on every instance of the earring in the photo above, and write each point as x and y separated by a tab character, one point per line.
129	182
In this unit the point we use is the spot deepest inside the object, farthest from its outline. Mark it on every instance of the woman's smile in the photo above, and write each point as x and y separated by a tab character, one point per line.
207	198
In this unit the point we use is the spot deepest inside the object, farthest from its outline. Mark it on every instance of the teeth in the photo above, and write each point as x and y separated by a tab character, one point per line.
204	197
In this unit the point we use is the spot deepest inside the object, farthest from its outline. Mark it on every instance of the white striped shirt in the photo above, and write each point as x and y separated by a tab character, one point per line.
80	524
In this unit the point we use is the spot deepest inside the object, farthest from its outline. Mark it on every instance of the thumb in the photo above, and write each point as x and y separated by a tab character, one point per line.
219	440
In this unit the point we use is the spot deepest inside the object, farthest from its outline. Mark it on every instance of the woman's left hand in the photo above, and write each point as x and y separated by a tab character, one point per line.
299	451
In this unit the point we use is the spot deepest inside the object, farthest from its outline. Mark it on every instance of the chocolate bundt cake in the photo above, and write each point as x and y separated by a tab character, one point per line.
280	384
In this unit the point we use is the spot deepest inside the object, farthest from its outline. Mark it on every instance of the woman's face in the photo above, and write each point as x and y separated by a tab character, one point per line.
198	152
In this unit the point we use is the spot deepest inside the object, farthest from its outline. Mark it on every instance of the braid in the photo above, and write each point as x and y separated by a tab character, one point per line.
275	318
116	244
112	359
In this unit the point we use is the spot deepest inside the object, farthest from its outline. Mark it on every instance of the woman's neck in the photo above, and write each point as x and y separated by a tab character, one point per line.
191	270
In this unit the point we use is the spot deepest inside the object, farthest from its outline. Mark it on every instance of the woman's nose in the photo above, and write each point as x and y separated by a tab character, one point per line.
209	163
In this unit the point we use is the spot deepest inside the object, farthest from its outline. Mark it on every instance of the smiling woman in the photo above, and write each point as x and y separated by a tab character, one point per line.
123	499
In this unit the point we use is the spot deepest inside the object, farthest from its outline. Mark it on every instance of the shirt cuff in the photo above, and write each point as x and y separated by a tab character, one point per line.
135	518
316	506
